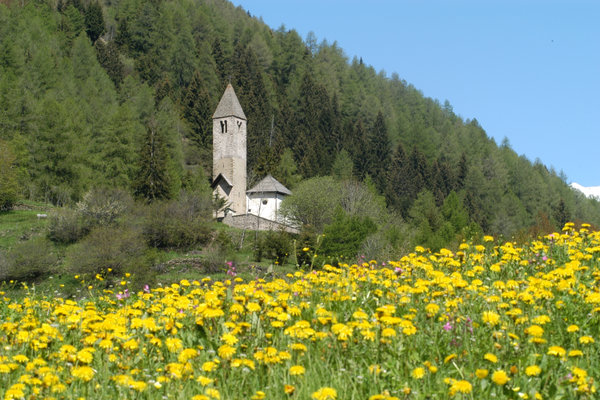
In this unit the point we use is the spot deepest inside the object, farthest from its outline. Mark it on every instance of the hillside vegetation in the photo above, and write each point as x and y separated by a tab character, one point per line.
120	94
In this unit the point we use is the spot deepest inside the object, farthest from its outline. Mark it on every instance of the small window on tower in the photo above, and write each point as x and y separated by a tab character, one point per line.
264	202
223	126
239	124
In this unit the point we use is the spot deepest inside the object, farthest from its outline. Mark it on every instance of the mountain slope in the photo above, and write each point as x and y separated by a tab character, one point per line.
76	112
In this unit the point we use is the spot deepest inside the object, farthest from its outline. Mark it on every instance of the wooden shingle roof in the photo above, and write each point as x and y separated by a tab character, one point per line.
269	185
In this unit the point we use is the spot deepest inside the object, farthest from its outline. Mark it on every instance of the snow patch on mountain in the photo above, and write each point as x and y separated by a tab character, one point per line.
590	191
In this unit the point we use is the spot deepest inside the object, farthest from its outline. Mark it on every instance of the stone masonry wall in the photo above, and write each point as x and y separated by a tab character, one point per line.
253	222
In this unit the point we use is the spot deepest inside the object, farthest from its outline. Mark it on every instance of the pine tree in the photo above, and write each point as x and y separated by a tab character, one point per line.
377	155
357	144
462	172
94	21
108	57
197	108
287	170
8	177
342	166
561	213
222	63
152	181
314	119
395	192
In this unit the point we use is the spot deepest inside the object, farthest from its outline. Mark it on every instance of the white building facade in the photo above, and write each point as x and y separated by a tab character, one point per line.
264	199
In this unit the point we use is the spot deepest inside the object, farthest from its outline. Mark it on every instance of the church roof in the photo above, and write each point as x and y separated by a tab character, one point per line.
229	105
269	185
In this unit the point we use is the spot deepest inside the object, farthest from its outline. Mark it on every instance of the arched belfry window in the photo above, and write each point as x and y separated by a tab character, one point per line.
224	126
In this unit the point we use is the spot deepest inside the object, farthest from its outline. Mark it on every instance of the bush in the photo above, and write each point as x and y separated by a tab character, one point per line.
67	226
99	207
102	206
120	249
345	235
29	261
180	223
275	246
214	258
306	240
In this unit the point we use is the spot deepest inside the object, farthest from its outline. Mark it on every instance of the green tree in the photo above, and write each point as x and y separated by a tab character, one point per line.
287	170
561	213
428	220
94	21
308	206
342	166
344	236
197	111
9	187
153	181
109	58
72	22
378	152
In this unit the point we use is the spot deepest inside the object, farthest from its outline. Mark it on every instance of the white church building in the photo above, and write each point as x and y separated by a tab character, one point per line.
258	207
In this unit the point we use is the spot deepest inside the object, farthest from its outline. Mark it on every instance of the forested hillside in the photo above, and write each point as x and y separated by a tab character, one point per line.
90	92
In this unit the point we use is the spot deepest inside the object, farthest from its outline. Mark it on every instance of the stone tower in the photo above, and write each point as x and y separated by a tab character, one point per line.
229	151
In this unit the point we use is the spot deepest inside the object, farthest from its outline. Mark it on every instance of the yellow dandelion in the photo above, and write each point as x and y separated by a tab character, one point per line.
418	373
226	351
533	370
461	386
491	318
84	373
500	377
586	340
288	389
556	351
481	373
325	393
297	370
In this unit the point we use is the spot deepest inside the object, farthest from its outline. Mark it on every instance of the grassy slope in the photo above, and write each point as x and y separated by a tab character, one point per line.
22	224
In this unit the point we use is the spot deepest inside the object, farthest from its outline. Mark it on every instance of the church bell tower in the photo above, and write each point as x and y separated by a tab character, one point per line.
229	152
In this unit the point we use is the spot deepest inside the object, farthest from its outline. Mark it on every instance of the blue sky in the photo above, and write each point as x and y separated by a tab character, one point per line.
528	70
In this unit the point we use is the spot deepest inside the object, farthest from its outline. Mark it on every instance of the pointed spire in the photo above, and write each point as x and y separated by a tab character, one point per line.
229	105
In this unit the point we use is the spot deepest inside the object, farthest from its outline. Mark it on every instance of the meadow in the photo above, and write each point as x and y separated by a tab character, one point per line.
491	320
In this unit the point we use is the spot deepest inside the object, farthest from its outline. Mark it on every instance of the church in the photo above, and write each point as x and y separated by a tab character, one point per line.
258	207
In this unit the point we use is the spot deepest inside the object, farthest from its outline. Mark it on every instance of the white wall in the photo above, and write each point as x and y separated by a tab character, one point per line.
256	205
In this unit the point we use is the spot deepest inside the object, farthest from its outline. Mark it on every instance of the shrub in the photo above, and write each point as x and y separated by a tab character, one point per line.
120	249
102	206
29	261
180	223
67	226
99	207
275	246
214	258
306	240
344	236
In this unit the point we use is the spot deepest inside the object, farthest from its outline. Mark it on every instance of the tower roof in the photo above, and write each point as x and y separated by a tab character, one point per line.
269	185
229	105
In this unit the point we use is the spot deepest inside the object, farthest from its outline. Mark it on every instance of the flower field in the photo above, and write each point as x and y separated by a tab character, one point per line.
488	321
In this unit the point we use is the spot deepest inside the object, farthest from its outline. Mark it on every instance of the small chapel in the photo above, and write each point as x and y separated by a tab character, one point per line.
258	207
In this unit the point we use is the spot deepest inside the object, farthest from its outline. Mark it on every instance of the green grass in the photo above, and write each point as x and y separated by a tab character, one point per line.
21	223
